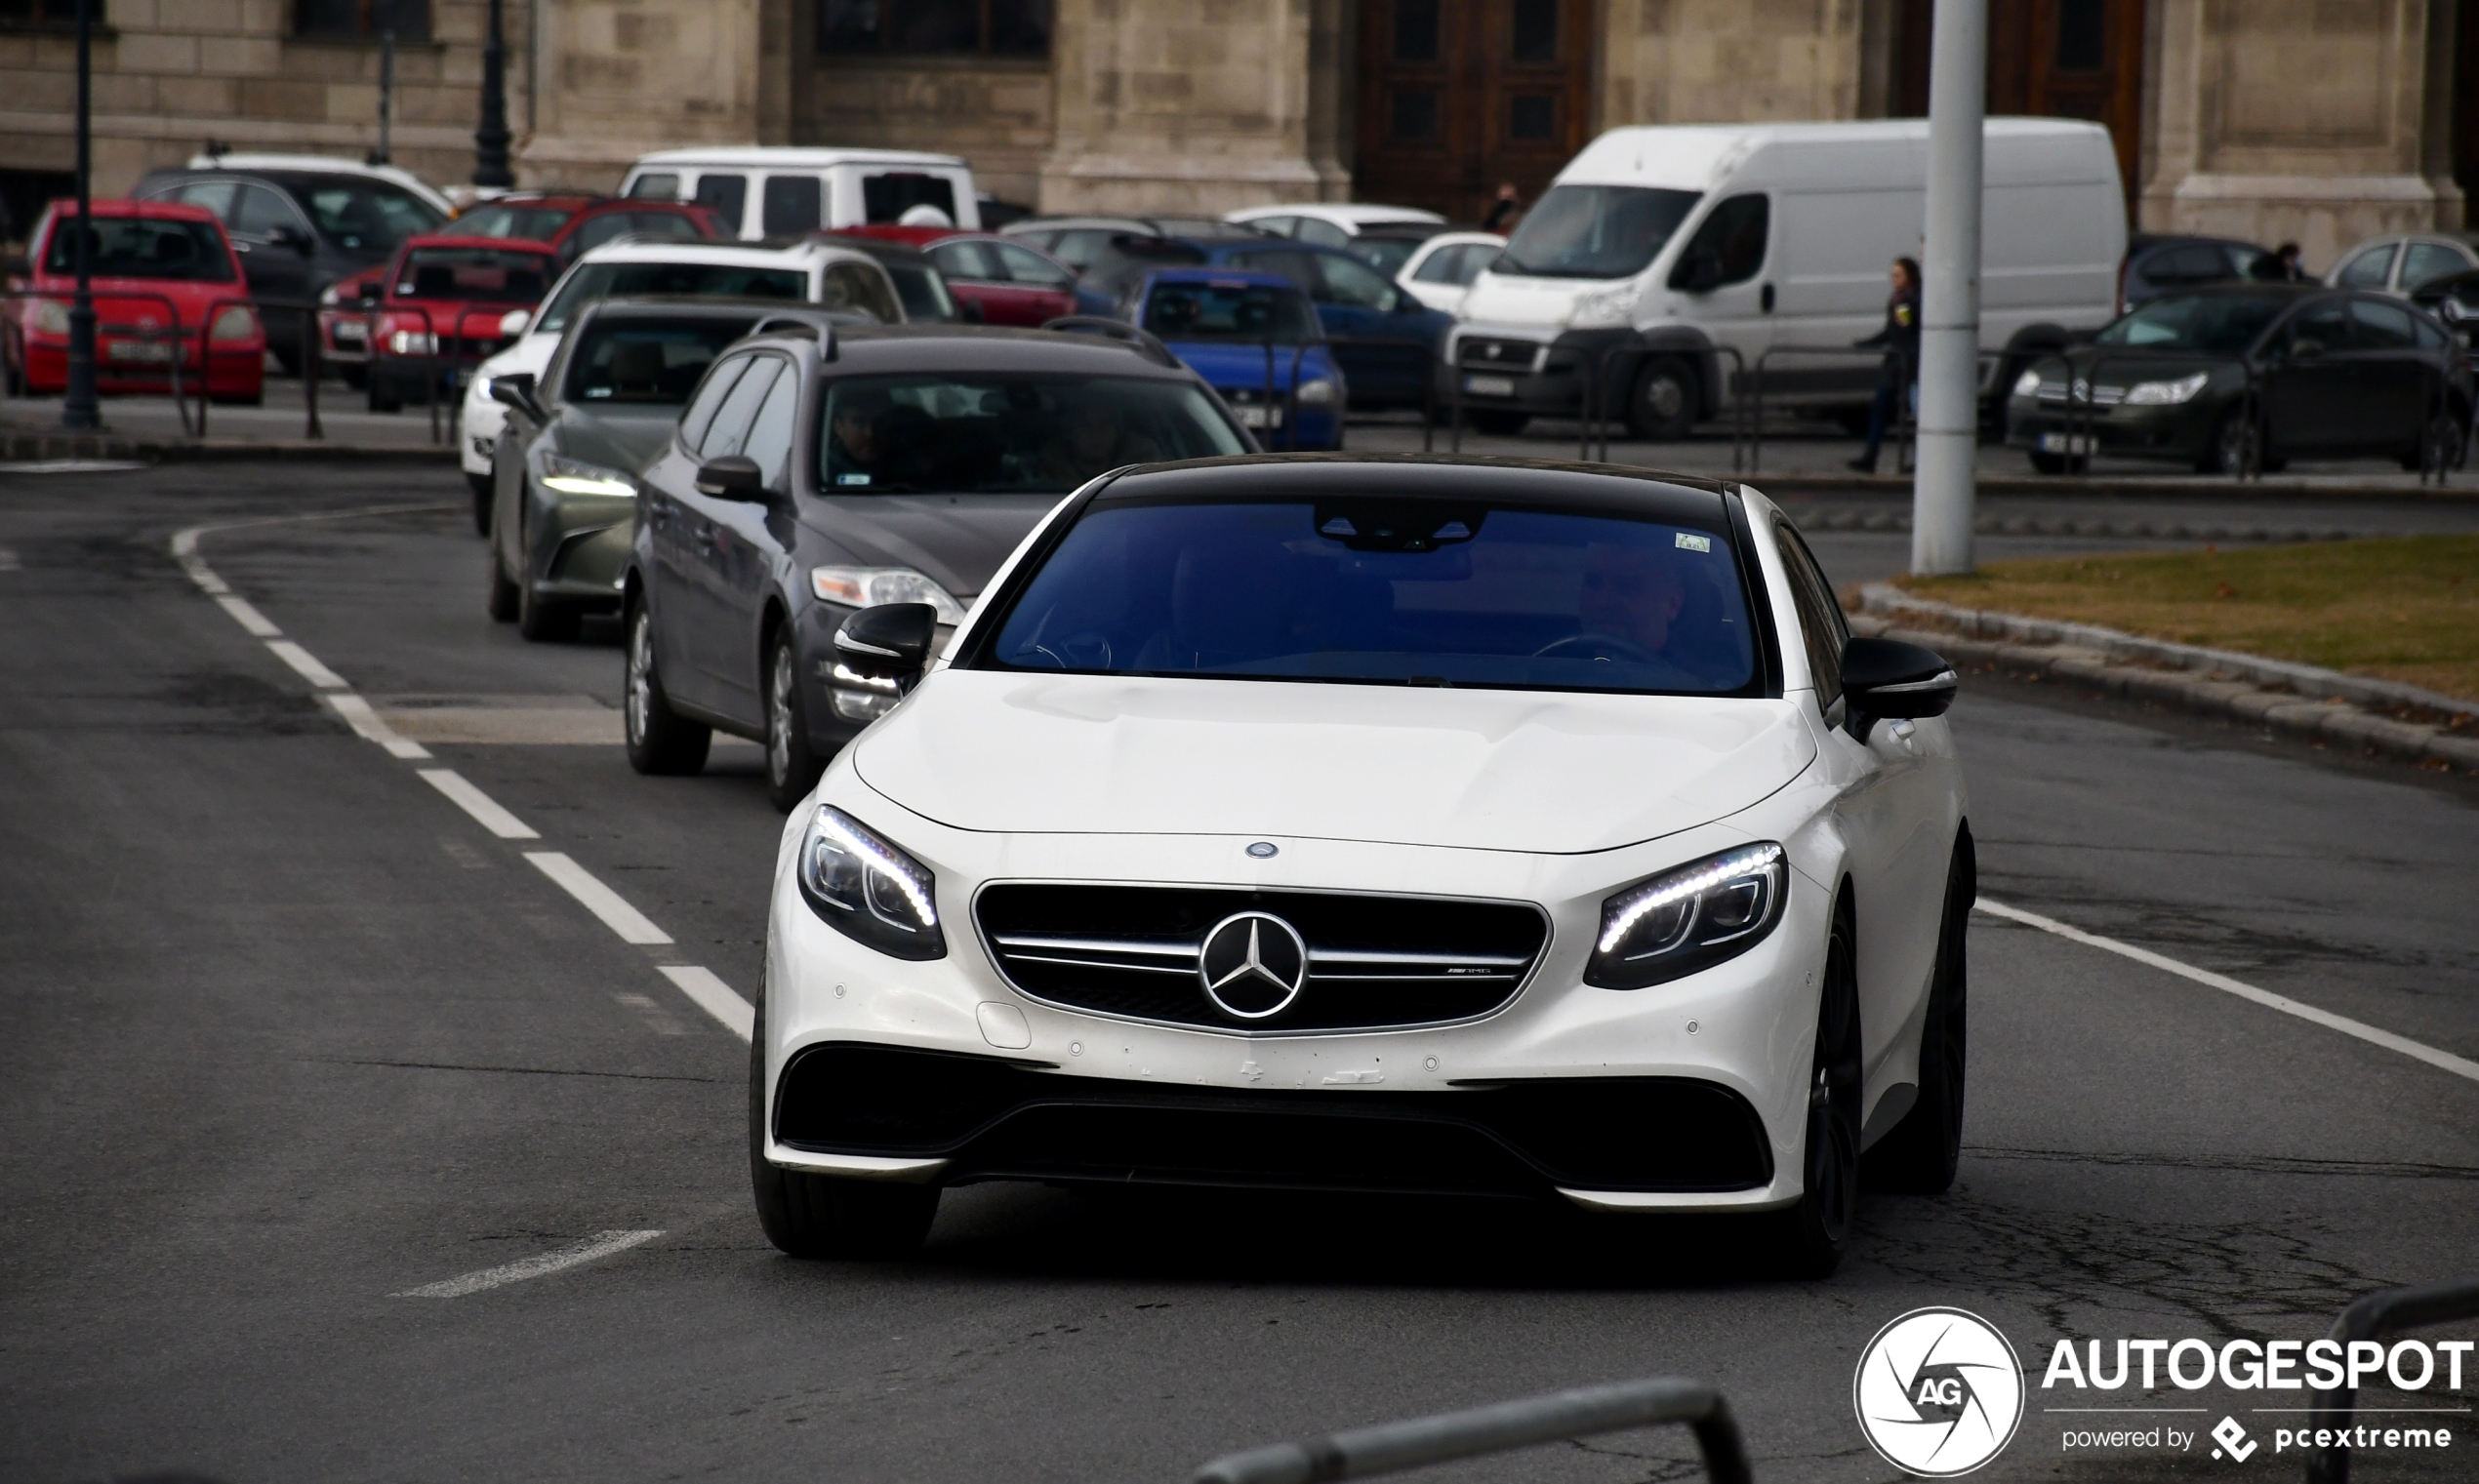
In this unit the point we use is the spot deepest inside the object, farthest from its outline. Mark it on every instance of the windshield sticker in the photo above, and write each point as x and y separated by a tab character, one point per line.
852	479
1687	542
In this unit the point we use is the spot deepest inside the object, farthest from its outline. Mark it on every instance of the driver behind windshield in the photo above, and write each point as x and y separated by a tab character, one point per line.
1092	438
1632	594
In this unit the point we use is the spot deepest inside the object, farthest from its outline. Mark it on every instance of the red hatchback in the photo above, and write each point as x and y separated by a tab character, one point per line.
161	274
1013	283
449	301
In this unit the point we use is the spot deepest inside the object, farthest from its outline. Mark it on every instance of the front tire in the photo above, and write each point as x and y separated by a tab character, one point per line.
1662	405
545	620
1811	1236
1919	1155
661	741
819	1215
793	766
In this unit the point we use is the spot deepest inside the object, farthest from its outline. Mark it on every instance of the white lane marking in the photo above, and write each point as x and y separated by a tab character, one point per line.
306	666
247	617
714	998
484	809
602	1244
2444	1061
632	925
359	716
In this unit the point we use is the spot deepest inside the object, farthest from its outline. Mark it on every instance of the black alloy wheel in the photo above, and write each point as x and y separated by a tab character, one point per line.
1662	405
823	1216
1919	1155
1811	1236
2237	446
661	741
2441	446
793	766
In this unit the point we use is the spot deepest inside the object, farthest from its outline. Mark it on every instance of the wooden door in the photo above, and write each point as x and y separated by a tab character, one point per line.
2050	59
1456	96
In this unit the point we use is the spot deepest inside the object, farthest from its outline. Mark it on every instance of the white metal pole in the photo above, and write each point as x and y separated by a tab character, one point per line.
1945	481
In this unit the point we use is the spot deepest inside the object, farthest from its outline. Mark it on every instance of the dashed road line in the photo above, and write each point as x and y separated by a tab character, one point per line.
365	720
247	617
2460	1067
305	665
632	925
602	1244
714	998
486	811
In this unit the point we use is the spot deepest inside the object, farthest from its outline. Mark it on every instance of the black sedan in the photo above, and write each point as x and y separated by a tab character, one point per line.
2251	376
819	470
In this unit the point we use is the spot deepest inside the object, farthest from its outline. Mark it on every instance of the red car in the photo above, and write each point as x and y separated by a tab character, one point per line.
1014	284
455	294
161	274
570	225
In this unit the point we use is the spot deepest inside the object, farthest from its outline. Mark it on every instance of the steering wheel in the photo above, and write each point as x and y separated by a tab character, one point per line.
1594	646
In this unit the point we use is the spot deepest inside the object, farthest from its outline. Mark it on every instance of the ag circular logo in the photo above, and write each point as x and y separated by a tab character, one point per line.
1253	965
1940	1392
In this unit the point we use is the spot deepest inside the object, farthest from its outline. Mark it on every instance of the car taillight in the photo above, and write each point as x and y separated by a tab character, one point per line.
235	323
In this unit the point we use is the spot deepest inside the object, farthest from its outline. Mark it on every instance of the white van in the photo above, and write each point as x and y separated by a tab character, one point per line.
778	191
1657	245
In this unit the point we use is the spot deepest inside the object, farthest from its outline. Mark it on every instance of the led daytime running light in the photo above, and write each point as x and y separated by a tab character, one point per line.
875	856
1659	895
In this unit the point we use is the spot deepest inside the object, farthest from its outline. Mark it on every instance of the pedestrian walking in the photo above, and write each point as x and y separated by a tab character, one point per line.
1897	381
1503	210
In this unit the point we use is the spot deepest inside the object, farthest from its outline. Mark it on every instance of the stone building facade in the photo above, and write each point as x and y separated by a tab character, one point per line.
2322	121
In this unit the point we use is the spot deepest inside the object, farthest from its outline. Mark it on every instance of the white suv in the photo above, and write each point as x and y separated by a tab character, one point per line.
806	272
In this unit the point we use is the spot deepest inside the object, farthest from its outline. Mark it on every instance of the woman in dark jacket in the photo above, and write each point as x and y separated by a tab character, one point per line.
1900	339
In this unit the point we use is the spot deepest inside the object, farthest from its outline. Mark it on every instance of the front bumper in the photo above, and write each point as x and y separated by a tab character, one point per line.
580	552
1689	1096
2182	432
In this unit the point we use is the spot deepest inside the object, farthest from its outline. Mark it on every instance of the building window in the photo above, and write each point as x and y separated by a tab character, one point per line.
43	16
2083	35
1535	30
358	20
934	27
1415	30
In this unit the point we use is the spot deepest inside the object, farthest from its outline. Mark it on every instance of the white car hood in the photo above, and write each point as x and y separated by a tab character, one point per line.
1544	302
1545	773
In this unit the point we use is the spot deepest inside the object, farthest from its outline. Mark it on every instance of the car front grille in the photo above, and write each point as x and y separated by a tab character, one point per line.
1497	354
1374	961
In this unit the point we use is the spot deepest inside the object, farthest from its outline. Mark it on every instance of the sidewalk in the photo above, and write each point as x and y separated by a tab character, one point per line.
153	427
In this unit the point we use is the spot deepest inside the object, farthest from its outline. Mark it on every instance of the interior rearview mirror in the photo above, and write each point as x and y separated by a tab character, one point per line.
888	642
1889	679
732	477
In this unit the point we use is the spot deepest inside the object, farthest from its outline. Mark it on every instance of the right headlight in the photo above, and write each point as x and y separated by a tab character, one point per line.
869	890
2028	383
1689	918
1316	391
868	587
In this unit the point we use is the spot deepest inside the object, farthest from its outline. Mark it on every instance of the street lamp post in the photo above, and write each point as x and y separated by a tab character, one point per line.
1947	486
491	140
78	410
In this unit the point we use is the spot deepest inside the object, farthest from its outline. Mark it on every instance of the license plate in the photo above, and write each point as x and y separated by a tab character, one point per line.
351	330
1260	417
2072	444
158	353
1490	386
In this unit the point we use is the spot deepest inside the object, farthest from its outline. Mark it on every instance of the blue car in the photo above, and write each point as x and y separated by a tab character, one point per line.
1256	339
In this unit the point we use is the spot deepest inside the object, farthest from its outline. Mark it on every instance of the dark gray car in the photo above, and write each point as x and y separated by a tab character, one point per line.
818	472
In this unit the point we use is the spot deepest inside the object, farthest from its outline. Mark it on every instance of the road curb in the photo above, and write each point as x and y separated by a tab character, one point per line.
21	447
2377	718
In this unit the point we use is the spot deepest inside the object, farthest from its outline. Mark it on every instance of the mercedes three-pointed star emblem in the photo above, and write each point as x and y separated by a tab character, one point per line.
1253	965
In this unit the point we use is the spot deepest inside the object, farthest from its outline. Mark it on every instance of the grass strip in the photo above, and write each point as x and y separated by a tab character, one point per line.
2396	607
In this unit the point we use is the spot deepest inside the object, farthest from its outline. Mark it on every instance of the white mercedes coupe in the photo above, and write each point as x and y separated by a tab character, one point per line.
1423	824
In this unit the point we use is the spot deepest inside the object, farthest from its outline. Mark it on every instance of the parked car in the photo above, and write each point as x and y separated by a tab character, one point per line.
2157	264
1256	339
813	272
2250	375
918	284
1657	249
1078	241
818	473
1123	261
569	224
762	191
1386	341
1331	224
450	302
1440	270
300	222
2405	264
1006	281
167	287
1343	825
564	494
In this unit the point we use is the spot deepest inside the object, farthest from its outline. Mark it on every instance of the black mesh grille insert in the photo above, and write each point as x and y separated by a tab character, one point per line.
1372	961
995	1120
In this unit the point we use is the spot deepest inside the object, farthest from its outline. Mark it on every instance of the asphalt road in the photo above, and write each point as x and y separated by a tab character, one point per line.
283	1033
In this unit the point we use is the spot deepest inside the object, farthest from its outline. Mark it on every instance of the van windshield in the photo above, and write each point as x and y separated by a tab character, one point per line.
1595	231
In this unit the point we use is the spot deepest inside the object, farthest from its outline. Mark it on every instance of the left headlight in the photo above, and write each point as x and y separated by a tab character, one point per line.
869	890
235	323
572	477
1316	391
1608	306
2028	383
1689	918
868	587
2167	393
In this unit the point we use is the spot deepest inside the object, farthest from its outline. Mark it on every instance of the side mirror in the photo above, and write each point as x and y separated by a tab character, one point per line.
888	642
732	477
970	312
514	323
515	389
1885	678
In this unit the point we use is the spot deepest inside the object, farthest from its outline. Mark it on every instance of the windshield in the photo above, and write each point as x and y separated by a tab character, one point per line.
365	216
2223	324
485	275
1402	592
1595	231
1387	255
671	280
962	433
646	362
139	247
534	224
1230	311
